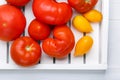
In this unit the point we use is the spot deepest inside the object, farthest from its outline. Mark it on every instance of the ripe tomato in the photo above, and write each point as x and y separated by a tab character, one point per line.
25	51
38	30
93	16
82	24
51	12
82	6
18	2
62	43
83	45
12	22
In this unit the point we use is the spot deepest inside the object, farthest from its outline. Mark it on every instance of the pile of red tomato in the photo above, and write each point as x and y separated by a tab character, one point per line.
50	17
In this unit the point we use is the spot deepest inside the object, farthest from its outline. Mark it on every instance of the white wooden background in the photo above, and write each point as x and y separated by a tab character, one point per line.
112	73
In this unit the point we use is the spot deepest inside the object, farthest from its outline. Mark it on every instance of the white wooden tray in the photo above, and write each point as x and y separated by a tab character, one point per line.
96	59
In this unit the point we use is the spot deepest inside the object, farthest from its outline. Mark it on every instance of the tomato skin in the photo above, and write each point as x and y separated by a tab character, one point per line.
12	22
38	30
82	6
62	43
51	12
25	51
18	2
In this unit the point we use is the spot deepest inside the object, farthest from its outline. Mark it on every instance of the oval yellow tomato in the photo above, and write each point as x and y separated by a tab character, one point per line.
83	46
93	16
81	24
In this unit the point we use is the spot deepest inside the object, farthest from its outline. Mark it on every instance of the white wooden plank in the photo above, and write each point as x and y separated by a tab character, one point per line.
2	2
92	57
3	52
77	35
29	16
104	31
62	61
45	59
10	60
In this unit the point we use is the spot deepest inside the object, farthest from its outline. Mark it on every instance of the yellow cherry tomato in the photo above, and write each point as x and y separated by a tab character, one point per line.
81	24
83	46
93	16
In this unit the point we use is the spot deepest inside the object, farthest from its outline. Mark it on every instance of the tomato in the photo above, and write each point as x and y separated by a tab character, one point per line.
62	43
83	45
25	51
93	16
51	12
12	22
18	2
82	24
38	30
82	6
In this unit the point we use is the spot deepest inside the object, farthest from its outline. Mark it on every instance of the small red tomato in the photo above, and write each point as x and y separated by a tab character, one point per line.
18	2
25	51
12	22
38	30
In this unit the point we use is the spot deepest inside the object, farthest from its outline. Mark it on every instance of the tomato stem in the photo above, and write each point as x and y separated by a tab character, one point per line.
88	1
27	48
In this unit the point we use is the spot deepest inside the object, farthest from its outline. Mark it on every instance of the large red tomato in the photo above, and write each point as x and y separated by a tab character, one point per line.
82	6
38	30
18	2
12	22
25	51
51	12
62	43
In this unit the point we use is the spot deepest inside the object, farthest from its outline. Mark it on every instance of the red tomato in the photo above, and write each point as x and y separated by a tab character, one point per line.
18	2
12	22
25	51
51	12
62	43
38	30
82	6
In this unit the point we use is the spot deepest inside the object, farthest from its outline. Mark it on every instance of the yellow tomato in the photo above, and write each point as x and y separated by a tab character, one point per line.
93	16
83	46
81	24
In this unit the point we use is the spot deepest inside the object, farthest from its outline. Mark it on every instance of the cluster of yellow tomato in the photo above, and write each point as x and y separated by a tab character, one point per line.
82	24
